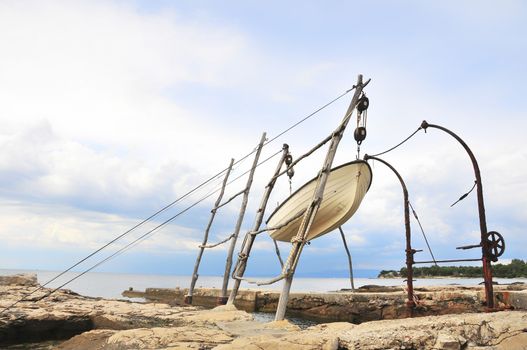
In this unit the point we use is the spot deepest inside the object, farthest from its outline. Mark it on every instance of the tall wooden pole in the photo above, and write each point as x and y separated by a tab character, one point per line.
228	264
300	239
241	265
349	257
188	297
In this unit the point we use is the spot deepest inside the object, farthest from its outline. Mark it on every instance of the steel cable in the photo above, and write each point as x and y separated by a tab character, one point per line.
183	197
399	144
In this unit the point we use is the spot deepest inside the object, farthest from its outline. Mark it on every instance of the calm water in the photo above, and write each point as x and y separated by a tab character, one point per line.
111	285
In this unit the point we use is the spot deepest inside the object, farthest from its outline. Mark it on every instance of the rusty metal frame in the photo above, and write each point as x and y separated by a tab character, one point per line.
485	259
484	244
409	251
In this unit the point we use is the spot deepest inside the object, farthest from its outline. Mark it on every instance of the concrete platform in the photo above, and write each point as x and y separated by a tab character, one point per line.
365	304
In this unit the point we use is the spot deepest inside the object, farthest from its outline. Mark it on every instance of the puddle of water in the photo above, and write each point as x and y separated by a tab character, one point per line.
269	317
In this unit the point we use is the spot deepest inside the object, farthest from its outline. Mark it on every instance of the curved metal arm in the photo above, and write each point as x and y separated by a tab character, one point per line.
409	251
487	269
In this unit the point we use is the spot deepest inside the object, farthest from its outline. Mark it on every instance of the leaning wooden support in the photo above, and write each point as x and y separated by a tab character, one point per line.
228	264
188	297
241	264
349	258
300	239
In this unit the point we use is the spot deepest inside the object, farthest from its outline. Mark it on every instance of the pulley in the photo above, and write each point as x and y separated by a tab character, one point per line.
290	173
363	103
288	160
362	117
495	245
359	134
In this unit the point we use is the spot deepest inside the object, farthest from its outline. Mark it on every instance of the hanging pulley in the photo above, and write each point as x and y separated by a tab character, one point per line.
288	161
360	131
363	103
359	134
290	171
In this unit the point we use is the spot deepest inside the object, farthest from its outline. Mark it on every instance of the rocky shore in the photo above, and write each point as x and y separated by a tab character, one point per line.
66	320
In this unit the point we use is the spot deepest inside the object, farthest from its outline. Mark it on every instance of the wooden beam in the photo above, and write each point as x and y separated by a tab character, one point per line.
188	297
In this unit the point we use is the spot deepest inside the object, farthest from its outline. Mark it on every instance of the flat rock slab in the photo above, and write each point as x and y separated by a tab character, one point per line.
23	279
496	331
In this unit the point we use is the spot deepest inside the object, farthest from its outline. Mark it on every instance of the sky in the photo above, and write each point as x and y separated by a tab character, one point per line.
110	110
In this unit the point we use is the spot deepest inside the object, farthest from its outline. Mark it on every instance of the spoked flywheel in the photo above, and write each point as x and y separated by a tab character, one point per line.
495	244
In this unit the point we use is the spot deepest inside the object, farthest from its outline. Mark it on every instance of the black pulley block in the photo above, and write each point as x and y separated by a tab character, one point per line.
363	104
360	134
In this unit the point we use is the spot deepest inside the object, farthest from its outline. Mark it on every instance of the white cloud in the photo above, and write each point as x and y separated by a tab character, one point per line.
94	116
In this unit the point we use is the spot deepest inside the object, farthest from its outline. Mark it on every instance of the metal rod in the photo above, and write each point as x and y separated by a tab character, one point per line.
487	267
409	251
188	297
422	231
300	239
349	257
277	251
444	261
228	264
241	263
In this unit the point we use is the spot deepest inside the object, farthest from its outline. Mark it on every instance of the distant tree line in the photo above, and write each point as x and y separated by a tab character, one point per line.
517	268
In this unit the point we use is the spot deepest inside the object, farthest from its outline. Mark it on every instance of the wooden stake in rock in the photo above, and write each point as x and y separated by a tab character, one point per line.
309	216
188	297
222	300
241	264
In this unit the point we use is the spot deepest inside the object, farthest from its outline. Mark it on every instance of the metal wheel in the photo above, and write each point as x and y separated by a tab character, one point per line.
496	245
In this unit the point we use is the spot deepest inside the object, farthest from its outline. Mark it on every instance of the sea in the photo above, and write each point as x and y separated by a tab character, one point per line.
111	285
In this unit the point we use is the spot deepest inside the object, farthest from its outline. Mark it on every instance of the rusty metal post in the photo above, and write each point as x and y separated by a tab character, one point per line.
409	251
487	267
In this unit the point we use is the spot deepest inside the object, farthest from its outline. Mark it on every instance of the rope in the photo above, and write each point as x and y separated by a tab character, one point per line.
465	195
399	144
230	199
217	244
423	232
310	115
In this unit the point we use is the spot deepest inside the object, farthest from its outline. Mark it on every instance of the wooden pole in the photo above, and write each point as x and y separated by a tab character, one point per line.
228	264
241	264
349	257
300	239
188	297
